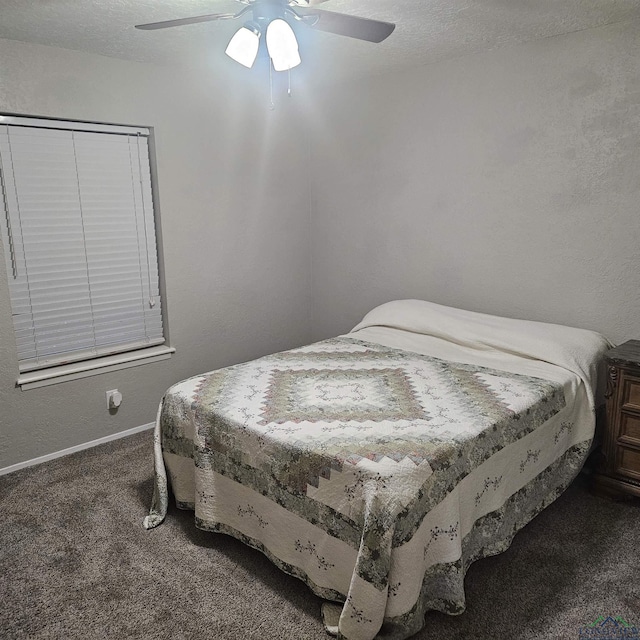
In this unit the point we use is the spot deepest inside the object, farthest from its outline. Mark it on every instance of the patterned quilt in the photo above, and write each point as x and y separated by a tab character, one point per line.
376	475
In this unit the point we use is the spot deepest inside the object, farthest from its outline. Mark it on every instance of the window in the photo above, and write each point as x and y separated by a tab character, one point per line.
79	239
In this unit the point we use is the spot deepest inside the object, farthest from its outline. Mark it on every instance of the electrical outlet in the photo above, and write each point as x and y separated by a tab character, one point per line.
114	399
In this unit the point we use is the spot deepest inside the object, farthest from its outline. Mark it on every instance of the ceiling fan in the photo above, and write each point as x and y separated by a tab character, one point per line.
270	16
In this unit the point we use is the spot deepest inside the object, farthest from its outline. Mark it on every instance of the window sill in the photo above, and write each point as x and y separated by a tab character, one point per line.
77	370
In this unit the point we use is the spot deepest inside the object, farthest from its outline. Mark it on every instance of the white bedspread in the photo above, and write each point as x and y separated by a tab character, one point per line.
403	529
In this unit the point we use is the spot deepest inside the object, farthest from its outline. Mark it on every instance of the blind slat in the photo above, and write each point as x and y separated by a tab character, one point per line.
63	358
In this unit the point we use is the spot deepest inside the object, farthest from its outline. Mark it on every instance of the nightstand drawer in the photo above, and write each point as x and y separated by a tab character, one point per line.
631	393
629	429
628	462
619	466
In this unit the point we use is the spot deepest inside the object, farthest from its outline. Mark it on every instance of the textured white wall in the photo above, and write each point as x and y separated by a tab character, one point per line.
507	183
235	234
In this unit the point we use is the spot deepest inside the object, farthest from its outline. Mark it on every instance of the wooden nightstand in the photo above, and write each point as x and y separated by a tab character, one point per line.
619	469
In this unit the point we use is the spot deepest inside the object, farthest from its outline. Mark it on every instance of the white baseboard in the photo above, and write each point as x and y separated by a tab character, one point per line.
78	447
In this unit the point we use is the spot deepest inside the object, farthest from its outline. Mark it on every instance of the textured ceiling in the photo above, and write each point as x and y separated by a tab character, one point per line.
427	30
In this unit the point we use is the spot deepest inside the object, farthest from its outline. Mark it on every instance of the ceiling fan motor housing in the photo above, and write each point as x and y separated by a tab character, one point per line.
264	11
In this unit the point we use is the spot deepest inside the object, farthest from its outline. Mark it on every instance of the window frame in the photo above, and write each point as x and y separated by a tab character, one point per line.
91	365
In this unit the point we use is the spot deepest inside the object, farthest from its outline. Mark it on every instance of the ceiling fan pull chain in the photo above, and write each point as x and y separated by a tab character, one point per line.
289	89
271	105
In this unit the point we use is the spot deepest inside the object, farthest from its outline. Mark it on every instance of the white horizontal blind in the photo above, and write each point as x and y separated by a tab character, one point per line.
80	246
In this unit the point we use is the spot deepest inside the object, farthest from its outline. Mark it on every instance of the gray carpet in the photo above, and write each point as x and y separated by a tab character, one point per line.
75	562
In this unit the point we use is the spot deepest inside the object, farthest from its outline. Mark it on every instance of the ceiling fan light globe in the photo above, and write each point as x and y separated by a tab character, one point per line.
243	47
282	45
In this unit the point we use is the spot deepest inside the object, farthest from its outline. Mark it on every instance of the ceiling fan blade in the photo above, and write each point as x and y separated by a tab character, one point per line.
177	23
351	26
305	3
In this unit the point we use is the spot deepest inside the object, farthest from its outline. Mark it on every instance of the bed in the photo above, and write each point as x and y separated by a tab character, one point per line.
378	465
